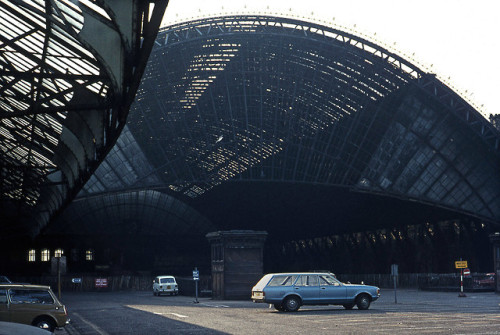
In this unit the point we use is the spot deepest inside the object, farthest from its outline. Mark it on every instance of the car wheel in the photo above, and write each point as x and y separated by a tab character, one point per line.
45	323
292	304
348	306
279	307
363	302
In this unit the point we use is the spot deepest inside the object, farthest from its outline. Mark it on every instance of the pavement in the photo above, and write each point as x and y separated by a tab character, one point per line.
416	312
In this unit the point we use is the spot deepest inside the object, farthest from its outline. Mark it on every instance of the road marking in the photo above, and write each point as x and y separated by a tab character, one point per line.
90	324
174	314
216	306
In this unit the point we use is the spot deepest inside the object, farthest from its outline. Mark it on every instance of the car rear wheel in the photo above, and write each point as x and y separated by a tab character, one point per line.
363	302
348	306
279	307
292	304
45	323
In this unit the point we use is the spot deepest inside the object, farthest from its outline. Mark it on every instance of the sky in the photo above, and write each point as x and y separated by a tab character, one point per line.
456	39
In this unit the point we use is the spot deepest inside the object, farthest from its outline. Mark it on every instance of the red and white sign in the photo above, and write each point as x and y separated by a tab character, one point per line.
101	282
466	272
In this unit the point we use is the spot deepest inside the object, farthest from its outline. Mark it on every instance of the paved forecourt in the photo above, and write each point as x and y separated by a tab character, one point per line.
416	312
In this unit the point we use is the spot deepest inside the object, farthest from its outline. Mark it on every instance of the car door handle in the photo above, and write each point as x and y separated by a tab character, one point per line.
296	288
323	288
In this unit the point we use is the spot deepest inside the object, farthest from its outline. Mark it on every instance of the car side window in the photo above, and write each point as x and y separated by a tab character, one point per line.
282	281
307	280
3	296
20	296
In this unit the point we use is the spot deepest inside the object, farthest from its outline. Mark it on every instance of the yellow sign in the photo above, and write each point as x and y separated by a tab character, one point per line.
460	264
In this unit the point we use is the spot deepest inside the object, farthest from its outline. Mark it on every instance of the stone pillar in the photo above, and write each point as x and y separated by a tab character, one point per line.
495	242
237	262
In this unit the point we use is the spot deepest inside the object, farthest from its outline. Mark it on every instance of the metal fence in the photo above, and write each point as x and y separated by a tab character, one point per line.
426	281
422	281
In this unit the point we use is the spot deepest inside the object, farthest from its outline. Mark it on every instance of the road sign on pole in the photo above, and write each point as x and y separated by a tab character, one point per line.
461	265
196	278
395	273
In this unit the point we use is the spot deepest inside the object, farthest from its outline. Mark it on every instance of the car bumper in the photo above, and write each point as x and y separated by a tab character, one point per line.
168	290
258	296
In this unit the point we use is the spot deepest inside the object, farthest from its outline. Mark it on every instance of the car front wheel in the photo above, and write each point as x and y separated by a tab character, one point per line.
45	323
363	302
292	304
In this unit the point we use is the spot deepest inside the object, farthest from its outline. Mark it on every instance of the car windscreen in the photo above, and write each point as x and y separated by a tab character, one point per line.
22	296
167	280
325	280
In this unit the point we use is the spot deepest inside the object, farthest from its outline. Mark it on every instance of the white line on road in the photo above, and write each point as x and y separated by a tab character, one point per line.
90	324
174	314
216	306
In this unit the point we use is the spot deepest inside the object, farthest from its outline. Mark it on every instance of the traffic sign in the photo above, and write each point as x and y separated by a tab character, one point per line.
101	282
466	272
460	264
196	275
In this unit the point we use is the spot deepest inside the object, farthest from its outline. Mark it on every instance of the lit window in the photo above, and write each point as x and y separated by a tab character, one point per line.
89	255
58	252
45	255
32	255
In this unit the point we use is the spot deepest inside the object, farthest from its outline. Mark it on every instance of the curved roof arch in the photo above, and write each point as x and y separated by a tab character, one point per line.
274	100
144	212
68	74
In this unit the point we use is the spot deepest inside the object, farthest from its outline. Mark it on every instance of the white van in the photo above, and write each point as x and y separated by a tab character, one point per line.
165	284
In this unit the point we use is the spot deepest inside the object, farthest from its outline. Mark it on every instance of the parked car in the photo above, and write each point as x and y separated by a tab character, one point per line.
288	291
10	328
165	284
486	281
34	305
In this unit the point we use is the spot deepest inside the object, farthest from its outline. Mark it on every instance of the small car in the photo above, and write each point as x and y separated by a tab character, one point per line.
485	281
165	284
288	291
34	305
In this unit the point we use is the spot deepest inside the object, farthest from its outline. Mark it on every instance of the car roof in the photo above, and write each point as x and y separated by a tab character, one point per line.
299	273
165	277
31	286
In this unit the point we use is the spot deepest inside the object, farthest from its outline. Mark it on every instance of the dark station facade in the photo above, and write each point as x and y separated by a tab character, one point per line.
350	157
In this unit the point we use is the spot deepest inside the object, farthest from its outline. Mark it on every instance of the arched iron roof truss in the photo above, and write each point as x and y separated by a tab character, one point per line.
257	98
69	71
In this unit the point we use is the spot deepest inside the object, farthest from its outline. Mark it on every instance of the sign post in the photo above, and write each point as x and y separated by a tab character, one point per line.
196	278
394	273
461	265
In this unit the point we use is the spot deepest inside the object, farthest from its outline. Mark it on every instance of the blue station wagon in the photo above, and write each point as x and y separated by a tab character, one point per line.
288	291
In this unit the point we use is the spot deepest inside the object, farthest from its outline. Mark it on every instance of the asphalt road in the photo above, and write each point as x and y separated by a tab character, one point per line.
417	312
